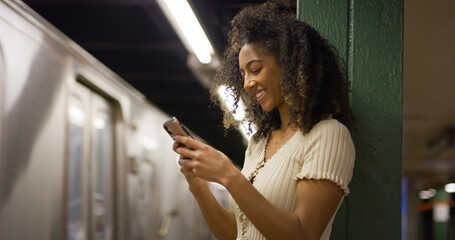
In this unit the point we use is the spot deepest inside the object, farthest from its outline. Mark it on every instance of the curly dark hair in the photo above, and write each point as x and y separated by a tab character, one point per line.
312	83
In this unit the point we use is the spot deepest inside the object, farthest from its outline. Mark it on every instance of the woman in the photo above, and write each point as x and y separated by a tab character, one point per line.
300	160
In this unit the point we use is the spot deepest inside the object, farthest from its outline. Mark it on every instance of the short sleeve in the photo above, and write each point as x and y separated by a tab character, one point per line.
328	154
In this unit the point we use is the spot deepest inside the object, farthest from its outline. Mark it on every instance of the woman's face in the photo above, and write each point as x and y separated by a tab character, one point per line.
261	76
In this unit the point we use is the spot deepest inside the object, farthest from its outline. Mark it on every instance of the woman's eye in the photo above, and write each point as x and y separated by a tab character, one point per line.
256	70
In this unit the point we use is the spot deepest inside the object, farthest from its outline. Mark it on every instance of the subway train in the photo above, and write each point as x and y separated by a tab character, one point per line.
83	155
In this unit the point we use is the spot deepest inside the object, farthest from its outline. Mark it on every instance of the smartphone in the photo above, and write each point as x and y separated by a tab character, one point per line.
174	128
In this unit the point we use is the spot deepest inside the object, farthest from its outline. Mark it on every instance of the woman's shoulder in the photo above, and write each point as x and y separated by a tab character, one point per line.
326	132
328	126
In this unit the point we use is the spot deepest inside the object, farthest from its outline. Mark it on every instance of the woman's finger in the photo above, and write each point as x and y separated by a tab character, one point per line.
186	152
187	163
184	166
187	141
175	145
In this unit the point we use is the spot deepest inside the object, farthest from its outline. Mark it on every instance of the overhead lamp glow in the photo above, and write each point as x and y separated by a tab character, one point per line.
188	28
450	187
245	130
427	194
228	99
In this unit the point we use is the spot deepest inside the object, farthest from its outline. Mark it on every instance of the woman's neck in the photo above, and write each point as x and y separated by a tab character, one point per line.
283	109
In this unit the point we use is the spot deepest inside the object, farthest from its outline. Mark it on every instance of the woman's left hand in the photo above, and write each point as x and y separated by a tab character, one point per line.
206	162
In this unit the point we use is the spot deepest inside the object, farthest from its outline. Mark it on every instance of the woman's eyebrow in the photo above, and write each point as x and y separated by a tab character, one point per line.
251	62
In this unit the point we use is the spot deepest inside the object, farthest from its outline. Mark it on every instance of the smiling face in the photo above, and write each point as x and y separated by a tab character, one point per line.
261	76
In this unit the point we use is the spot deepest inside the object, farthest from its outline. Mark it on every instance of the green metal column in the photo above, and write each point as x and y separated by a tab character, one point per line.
369	36
441	223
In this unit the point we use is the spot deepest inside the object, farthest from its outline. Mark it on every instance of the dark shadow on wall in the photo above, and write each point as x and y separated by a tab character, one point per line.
27	116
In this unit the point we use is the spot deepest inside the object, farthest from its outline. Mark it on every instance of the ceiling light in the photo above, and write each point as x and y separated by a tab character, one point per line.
188	28
450	187
227	97
427	194
246	130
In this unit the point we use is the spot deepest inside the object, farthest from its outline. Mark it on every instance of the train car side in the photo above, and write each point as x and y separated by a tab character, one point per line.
82	154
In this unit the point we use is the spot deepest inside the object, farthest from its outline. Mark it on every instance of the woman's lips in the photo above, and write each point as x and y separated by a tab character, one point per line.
259	95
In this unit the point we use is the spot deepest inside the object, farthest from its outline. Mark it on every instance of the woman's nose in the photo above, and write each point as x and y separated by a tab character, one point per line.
248	83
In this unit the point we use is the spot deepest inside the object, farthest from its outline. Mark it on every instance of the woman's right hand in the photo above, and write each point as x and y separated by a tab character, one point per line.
195	183
221	221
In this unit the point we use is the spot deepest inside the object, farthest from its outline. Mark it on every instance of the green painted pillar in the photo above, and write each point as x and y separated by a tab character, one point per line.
369	36
441	208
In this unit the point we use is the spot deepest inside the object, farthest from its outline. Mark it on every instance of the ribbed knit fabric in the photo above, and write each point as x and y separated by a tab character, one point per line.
326	152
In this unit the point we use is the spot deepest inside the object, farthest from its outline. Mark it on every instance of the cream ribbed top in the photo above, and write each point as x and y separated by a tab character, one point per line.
326	152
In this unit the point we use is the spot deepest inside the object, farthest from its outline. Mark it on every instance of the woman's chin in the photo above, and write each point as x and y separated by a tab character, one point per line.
266	108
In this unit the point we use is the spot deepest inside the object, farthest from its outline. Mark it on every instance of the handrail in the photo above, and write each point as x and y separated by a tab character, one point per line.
166	223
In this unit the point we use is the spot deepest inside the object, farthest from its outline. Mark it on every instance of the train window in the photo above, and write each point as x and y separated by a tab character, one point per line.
90	166
102	169
75	196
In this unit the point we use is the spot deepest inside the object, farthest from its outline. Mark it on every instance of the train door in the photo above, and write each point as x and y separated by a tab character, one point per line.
90	166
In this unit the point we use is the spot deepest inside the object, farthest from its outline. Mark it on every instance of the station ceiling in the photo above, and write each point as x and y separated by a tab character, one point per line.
429	92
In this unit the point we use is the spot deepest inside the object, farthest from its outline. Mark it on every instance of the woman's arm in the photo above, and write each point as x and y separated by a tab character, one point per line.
316	200
220	221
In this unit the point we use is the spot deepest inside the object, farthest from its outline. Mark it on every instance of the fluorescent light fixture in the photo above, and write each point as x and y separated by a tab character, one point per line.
188	28
245	130
227	98
450	187
427	194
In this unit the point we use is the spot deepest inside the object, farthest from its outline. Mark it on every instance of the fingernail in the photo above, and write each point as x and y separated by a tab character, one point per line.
174	137
175	142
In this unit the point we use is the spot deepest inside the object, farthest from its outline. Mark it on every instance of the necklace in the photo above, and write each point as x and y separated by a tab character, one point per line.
264	160
260	164
243	219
